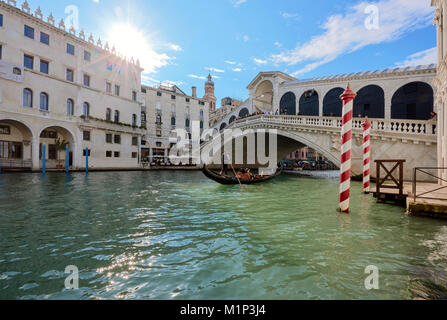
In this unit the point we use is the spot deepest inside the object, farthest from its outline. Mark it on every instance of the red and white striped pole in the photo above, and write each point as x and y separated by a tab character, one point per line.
366	155
346	146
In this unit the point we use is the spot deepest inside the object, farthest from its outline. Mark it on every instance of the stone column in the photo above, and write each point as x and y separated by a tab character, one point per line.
151	155
320	103
35	154
388	102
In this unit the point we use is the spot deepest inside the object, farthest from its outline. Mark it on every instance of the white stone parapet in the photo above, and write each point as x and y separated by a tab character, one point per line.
403	127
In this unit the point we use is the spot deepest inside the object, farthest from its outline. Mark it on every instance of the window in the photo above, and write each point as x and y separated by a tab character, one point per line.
84	153
48	134
108	87
86	109
108	154
70	49
158	94
201	114
187	122
29	32
187	100
11	150
135	141
134	155
109	114
43	101
1	20
86	135
117	90
173	121
70	107
117	116
109	138
143	116
134	120
28	62
70	75
143	90
44	66
158	119
5	130
1	51
44	38
27	98
172	97
86	80
116	154
134	95
117	139
201	124
201	103
87	55
158	133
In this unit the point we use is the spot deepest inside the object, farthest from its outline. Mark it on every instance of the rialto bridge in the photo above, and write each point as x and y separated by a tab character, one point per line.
413	140
394	93
398	101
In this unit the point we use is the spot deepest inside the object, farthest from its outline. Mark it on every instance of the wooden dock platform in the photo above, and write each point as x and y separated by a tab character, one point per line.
433	205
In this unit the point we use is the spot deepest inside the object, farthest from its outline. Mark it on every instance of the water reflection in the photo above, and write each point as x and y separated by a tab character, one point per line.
165	235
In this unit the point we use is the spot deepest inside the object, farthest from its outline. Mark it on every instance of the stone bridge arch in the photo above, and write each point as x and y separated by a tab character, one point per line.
287	142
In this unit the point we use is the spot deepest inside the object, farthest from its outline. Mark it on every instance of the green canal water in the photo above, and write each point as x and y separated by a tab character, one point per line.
177	235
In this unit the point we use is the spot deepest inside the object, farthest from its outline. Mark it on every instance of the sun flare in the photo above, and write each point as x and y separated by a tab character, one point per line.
130	41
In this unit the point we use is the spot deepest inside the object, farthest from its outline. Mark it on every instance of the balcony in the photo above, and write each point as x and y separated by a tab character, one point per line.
96	123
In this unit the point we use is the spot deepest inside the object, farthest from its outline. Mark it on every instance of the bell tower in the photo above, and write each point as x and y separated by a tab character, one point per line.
209	94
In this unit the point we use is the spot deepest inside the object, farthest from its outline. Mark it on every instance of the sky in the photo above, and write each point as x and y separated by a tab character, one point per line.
180	42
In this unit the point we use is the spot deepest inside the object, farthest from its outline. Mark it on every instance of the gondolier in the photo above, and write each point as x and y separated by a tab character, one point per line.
225	162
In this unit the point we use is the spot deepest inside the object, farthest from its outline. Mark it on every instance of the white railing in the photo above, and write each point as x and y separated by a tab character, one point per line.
419	127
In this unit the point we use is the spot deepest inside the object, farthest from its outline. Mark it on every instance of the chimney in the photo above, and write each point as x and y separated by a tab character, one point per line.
194	92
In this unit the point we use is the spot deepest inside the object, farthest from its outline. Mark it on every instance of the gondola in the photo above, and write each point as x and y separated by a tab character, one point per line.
232	180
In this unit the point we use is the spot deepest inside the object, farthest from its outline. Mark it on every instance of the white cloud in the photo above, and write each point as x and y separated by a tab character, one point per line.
215	70
287	15
259	61
230	62
245	38
278	44
174	47
237	69
197	77
237	3
420	58
347	33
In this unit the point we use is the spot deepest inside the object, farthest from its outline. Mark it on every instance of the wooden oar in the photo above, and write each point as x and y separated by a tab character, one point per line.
234	171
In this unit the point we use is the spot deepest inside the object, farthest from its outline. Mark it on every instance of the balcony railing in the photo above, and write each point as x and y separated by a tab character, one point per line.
15	163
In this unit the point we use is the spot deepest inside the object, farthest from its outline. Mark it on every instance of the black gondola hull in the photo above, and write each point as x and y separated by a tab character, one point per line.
232	180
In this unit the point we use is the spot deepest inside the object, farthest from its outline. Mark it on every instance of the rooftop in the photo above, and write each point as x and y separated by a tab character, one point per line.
367	73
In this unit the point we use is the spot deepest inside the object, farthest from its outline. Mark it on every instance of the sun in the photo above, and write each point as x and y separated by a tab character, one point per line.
133	42
128	40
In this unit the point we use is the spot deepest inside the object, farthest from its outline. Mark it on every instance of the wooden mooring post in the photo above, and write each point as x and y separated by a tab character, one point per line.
386	191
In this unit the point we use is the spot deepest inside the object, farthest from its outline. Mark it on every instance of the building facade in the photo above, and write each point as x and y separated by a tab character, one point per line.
58	87
440	82
164	110
228	105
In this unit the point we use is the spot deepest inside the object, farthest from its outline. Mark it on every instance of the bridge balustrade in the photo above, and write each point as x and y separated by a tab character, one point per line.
420	127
